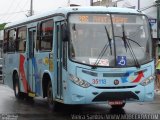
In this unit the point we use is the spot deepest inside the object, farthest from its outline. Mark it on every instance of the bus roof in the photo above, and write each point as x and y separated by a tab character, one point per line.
65	10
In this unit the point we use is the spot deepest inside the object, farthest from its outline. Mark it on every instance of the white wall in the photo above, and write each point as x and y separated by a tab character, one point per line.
1	35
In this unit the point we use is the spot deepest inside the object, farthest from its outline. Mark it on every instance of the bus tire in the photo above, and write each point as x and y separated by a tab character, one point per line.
53	105
118	106
17	92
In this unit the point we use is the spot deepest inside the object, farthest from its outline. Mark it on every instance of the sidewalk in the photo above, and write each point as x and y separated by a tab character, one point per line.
1	81
157	91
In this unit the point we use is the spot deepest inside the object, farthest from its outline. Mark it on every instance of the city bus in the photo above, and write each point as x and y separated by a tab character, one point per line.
81	55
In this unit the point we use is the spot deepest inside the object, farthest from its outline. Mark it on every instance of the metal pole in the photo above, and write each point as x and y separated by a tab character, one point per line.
138	4
68	3
158	18
31	8
91	2
158	30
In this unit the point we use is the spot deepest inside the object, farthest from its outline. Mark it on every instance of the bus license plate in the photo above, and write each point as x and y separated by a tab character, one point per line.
116	102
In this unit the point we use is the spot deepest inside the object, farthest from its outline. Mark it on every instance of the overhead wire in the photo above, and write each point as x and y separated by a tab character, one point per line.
8	16
8	10
4	14
15	8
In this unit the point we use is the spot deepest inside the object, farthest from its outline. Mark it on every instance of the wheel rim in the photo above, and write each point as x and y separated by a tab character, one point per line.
16	89
50	96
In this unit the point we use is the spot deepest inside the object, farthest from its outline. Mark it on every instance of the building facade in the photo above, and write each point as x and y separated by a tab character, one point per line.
1	42
107	3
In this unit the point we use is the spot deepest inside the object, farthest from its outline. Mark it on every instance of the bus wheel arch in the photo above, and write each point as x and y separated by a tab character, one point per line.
45	81
48	92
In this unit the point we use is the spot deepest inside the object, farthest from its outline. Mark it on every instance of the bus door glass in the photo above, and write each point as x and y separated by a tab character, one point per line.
59	44
31	46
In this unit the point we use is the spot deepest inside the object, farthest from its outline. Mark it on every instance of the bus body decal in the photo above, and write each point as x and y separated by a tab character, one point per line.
126	75
140	75
22	73
124	79
37	79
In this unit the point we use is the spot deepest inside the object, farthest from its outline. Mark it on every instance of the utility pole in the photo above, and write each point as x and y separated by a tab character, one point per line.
91	2
158	18
31	8
138	4
68	3
158	29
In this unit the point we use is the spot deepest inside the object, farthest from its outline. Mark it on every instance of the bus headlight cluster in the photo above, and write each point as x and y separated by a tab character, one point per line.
78	81
147	81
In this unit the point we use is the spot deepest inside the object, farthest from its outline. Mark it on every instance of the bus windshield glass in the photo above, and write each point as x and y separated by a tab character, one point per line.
109	39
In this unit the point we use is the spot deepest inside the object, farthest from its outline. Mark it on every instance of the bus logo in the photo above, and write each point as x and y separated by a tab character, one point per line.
116	82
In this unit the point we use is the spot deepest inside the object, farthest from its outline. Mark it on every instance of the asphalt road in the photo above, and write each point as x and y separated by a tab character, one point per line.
13	109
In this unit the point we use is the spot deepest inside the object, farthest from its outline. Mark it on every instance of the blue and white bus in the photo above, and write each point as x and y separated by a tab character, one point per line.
81	55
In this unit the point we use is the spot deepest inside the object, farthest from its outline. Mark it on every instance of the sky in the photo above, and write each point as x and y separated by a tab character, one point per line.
13	10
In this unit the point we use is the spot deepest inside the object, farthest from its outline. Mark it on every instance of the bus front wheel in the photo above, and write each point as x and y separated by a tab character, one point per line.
17	92
51	103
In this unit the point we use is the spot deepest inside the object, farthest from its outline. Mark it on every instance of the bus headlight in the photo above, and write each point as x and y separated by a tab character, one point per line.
147	80
78	81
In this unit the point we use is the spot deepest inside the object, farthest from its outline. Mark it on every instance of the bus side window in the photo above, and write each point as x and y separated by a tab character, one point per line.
21	40
46	35
5	43
11	40
38	37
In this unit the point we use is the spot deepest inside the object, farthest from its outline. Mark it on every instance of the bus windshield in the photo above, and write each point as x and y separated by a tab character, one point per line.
107	39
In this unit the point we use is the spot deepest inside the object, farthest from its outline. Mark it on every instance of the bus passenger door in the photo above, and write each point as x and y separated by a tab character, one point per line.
30	69
59	44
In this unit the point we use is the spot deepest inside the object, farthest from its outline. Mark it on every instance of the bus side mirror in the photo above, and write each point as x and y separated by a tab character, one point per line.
65	33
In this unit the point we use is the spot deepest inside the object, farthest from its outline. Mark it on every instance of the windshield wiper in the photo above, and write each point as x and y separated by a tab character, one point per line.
104	48
109	40
124	37
127	44
129	40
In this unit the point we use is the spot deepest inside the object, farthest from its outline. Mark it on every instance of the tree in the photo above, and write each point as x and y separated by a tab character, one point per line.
2	26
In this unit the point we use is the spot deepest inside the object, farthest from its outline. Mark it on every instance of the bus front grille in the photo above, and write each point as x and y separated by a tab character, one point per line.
117	87
106	96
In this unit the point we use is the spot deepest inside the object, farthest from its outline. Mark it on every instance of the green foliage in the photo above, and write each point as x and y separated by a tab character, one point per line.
2	26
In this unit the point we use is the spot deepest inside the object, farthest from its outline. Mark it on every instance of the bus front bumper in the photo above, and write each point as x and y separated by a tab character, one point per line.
90	95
